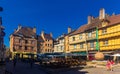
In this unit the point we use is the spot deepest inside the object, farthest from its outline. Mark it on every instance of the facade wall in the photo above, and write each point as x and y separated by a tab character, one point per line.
48	46
66	47
77	42
60	46
109	37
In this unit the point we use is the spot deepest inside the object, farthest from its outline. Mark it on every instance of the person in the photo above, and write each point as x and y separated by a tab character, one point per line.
14	62
108	65
112	63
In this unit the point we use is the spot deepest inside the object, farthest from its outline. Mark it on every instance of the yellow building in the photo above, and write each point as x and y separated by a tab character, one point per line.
109	33
77	40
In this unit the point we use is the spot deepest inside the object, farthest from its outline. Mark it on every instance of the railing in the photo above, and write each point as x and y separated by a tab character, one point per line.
77	50
77	41
109	35
110	47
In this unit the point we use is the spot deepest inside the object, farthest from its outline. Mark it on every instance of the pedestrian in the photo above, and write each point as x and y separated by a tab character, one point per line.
31	63
112	63
108	65
14	62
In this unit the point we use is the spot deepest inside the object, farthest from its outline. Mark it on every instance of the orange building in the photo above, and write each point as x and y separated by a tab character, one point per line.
45	43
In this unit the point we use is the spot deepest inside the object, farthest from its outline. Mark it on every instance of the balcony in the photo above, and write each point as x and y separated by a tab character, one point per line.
93	37
77	41
17	43
77	50
109	35
29	44
89	48
110	47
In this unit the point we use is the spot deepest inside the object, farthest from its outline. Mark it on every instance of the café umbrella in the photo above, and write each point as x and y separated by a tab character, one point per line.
116	56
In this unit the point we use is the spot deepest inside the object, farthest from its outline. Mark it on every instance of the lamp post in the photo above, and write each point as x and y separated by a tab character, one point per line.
2	34
2	47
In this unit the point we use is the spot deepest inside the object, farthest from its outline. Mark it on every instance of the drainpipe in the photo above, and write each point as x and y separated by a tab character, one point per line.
97	41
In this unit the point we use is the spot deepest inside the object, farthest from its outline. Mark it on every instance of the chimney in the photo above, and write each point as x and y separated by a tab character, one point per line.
51	34
102	13
34	29
90	19
19	27
42	32
69	29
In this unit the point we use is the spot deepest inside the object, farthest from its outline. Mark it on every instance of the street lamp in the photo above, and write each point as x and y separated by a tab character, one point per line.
2	34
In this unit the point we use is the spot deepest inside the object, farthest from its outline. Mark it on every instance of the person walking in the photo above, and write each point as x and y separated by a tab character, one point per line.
112	63
14	62
108	65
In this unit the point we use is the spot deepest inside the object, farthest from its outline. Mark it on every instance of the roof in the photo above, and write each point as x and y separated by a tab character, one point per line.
96	22
47	36
79	30
25	32
40	39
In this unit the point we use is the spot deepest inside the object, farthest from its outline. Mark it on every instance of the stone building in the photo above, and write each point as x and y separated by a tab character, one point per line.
23	41
45	43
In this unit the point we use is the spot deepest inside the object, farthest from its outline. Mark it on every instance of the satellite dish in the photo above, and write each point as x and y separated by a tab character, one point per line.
1	9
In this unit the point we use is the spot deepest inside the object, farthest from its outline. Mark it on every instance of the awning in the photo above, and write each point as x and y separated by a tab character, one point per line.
79	53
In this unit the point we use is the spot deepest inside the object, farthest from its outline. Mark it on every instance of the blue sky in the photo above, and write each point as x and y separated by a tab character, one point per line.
52	15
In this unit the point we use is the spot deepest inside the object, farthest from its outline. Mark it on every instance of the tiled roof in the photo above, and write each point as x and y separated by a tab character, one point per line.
96	22
79	30
112	20
40	39
25	32
47	36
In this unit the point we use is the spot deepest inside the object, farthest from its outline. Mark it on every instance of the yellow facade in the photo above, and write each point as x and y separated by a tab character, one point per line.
77	42
66	43
109	37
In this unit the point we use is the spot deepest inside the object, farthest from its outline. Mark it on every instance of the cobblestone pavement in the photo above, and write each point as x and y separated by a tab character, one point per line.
23	68
92	71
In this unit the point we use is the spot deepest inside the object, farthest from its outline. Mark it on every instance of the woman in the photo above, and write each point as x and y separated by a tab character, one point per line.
108	65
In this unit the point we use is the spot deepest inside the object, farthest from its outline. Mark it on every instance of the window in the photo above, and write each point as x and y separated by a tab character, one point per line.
32	48
73	38
90	34
26	41
25	48
104	31
91	44
61	47
80	36
81	46
32	42
105	43
75	46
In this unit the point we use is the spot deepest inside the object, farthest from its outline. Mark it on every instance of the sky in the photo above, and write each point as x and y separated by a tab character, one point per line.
52	15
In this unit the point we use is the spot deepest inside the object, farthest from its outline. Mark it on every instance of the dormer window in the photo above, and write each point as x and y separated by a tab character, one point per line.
104	23
104	31
73	38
